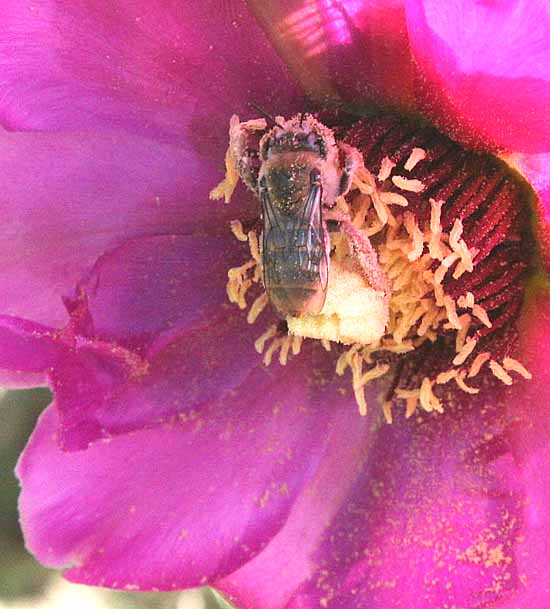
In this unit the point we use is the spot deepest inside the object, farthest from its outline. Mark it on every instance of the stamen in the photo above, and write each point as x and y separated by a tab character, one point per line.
260	342
428	400
224	190
237	230
459	379
326	344
297	344
393	198
417	155
412	403
513	365
387	410
407	184
444	377
481	314
385	169
500	373
257	307
465	321
416	235
477	364
465	352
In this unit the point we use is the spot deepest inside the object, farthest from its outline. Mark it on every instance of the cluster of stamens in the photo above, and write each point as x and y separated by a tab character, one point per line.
424	261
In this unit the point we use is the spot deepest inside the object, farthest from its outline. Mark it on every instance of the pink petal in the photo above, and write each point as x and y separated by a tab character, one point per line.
27	352
148	285
185	503
530	435
66	199
103	390
422	517
151	337
536	169
164	68
485	75
355	50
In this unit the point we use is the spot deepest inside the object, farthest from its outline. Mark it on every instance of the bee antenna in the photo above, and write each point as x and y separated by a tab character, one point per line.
266	115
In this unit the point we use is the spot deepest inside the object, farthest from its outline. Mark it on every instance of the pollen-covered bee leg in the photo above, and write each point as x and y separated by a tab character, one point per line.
363	252
352	161
244	146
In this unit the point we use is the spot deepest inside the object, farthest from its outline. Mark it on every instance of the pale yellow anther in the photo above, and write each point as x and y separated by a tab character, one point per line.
380	207
478	363
237	230
416	235
444	377
412	403
254	247
459	379
500	373
387	410
514	366
285	348
451	312
417	155
260	342
408	185
393	198
257	307
224	190
386	168
297	344
465	321
481	314
326	344
465	352
271	350
428	400
466	301
455	235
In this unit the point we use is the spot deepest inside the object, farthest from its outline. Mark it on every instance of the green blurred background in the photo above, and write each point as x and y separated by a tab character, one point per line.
24	584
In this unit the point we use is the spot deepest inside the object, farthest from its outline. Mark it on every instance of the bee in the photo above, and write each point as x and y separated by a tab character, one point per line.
295	170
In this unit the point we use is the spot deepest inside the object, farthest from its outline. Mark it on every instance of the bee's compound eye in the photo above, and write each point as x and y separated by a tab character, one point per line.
317	143
313	140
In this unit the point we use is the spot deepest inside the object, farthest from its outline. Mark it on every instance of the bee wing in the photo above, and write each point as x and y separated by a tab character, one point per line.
294	243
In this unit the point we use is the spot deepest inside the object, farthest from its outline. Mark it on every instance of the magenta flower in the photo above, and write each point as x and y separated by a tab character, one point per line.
172	458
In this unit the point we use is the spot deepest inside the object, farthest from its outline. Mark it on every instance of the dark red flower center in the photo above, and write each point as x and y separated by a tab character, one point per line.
451	229
482	193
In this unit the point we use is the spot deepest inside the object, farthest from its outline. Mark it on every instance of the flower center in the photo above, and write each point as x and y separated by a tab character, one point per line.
449	233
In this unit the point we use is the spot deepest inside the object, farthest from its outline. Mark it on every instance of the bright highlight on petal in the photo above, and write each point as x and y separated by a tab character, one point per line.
485	74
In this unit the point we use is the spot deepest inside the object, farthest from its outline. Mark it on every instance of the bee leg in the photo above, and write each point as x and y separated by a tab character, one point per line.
244	146
352	161
363	252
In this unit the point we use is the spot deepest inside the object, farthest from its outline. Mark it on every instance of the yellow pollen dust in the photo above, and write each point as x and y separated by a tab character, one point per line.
373	326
